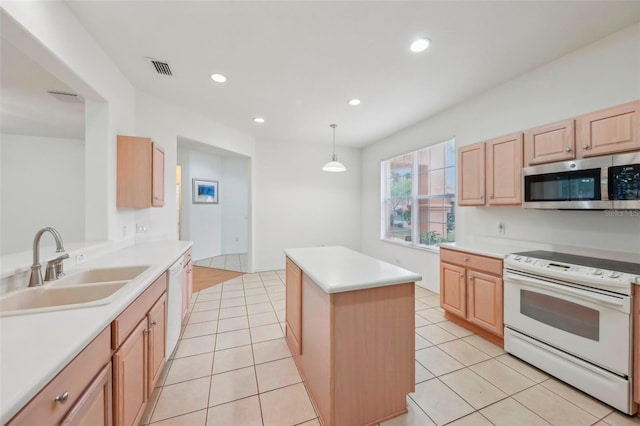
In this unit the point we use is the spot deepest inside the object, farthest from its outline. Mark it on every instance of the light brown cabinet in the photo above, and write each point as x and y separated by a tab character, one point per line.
187	283
504	170
609	131
70	395
490	172
549	143
130	371
356	349
139	338
293	305
140	173
471	292
471	162
95	406
636	343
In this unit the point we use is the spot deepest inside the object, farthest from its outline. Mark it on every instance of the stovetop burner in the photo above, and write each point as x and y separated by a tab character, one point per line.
590	262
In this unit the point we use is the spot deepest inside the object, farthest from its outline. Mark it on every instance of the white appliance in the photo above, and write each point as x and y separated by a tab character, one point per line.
571	317
174	306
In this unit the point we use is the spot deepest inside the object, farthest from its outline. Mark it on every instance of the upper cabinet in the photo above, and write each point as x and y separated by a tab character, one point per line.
553	142
490	172
471	175
140	173
504	170
609	130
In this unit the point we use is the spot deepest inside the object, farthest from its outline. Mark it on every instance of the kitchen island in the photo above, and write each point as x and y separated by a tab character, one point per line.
350	323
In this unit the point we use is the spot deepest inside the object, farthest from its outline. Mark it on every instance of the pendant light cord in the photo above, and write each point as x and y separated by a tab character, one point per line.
333	126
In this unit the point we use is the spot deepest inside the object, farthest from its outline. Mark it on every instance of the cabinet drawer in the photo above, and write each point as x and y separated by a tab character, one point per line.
489	265
127	320
72	380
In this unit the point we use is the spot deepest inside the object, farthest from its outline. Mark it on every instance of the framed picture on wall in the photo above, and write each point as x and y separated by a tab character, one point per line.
205	191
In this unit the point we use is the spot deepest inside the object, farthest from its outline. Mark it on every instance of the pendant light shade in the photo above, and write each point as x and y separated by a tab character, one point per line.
334	165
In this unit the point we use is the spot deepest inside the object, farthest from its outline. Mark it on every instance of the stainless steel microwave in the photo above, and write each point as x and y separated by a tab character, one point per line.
601	183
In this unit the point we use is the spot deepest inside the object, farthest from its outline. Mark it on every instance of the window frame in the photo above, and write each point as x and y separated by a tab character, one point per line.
414	198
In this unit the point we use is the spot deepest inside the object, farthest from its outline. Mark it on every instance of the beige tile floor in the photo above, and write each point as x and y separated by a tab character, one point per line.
233	367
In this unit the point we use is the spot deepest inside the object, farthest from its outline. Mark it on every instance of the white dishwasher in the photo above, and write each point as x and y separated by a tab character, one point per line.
174	306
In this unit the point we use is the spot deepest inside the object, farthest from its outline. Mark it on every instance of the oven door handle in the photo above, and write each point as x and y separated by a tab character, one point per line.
594	297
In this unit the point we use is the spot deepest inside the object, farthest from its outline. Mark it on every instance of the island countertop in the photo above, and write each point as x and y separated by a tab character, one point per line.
337	269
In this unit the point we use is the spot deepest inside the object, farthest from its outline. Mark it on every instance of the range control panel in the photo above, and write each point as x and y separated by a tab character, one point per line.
578	274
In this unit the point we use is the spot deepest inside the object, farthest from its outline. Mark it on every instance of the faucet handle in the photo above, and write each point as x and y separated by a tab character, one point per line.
55	268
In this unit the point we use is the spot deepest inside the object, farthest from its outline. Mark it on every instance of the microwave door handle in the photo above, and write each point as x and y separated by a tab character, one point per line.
594	297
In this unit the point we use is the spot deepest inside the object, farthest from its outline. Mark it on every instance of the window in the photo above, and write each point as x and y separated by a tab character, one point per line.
418	196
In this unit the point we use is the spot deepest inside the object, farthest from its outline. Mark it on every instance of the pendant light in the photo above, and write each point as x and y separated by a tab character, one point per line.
334	165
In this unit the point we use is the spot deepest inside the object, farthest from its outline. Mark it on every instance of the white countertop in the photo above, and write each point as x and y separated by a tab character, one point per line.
337	269
488	249
34	348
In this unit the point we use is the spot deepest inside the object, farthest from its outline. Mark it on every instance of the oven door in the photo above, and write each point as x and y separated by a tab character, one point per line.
589	324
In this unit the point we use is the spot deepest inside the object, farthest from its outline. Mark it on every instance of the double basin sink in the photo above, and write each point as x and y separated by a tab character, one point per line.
93	287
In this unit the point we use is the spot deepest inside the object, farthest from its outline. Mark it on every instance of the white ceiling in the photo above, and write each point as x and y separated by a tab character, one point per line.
298	63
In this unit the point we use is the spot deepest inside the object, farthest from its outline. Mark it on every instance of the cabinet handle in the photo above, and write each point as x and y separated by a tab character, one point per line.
62	398
491	196
481	196
470	278
466	259
461	275
154	322
585	146
147	331
568	149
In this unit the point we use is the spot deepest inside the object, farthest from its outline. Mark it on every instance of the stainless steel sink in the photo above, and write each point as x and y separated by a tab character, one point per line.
100	275
47	298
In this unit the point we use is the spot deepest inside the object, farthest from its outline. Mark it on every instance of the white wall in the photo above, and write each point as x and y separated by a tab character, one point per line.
600	75
214	228
234	199
299	205
165	123
41	184
49	33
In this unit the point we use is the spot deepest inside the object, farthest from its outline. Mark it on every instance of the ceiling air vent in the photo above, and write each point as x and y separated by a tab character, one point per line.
161	67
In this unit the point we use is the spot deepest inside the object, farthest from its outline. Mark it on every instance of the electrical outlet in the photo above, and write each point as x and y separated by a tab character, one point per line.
141	227
80	259
502	228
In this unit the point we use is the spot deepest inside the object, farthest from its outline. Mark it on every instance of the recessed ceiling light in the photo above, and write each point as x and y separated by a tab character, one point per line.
218	78
354	102
420	45
258	120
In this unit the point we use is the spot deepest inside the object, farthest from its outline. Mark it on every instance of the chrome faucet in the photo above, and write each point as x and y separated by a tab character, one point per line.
54	267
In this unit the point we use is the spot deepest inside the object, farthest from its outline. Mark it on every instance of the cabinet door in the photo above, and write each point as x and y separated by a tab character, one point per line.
157	179
471	175
609	131
504	170
452	289
94	406
130	377
484	301
187	288
553	142
294	306
636	343
157	323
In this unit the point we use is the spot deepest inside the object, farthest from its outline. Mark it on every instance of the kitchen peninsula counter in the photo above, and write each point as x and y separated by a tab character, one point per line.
350	327
35	347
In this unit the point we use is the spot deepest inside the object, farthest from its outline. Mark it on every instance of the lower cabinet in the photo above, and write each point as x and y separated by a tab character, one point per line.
111	380
471	292
293	306
139	359
78	392
95	406
187	283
